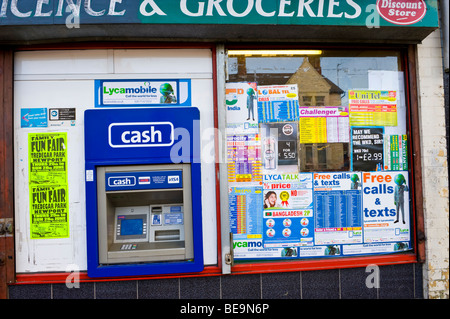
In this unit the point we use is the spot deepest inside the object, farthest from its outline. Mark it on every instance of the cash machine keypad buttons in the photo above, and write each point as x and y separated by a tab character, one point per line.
128	247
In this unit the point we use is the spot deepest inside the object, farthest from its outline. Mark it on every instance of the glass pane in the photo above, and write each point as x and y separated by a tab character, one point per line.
346	111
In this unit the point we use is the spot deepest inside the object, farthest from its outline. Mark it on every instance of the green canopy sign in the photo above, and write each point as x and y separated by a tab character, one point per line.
411	13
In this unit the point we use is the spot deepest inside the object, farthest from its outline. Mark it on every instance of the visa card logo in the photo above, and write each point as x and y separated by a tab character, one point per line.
140	134
173	179
115	181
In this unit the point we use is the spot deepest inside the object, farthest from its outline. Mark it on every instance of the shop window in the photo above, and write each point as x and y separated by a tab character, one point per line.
328	147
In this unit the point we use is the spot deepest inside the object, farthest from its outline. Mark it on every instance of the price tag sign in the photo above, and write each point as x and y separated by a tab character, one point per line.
367	148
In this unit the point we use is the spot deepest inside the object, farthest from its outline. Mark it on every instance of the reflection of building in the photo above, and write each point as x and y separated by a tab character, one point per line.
316	90
324	157
313	88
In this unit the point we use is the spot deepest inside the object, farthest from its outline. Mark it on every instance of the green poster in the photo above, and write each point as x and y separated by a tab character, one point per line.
47	170
47	158
49	211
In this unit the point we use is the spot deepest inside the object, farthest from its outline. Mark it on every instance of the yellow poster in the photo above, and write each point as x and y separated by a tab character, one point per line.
47	170
373	108
313	130
49	211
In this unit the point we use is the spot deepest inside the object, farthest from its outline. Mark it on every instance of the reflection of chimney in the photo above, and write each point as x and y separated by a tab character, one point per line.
241	66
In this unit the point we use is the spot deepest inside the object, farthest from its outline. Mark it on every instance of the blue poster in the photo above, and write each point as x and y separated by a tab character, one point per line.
33	117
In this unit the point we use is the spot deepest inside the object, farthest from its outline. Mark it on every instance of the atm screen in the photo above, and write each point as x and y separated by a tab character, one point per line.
131	227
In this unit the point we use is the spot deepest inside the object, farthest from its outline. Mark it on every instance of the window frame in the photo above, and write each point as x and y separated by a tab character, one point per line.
407	58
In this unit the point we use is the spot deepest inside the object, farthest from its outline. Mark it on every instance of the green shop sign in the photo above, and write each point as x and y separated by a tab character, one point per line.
413	13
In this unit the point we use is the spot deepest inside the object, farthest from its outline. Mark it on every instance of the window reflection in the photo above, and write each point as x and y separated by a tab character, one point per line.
322	80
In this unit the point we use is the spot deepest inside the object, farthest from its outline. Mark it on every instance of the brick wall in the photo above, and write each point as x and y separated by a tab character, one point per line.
434	166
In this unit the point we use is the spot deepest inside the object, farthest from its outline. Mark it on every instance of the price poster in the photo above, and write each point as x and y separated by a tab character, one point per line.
245	209
367	148
337	208
324	124
288	228
48	185
288	213
244	158
396	152
373	108
278	103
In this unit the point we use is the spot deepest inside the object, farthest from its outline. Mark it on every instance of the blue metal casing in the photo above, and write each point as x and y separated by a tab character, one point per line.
141	136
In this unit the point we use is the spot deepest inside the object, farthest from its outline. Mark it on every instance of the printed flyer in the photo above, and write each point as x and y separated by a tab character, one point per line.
288	191
244	158
33	117
242	106
337	208
324	124
288	213
245	209
373	108
49	211
286	228
396	152
47	158
254	249
367	148
386	206
279	143
48	190
278	103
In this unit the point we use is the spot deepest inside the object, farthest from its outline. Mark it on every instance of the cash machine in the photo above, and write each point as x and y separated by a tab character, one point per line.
143	191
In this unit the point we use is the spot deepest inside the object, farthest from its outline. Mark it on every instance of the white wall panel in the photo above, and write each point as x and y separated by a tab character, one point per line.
177	61
63	62
47	79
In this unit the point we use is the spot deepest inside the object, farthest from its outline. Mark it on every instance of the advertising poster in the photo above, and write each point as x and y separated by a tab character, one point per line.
33	117
242	106
47	158
288	213
146	92
279	143
372	108
288	191
48	190
254	249
324	124
367	148
376	248
278	103
244	158
396	152
286	228
386	206
338	208
49	211
245	209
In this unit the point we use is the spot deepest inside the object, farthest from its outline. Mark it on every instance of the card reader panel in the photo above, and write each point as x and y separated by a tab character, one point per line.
144	213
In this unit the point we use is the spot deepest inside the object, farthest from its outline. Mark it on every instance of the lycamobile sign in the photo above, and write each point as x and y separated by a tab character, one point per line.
142	92
417	13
